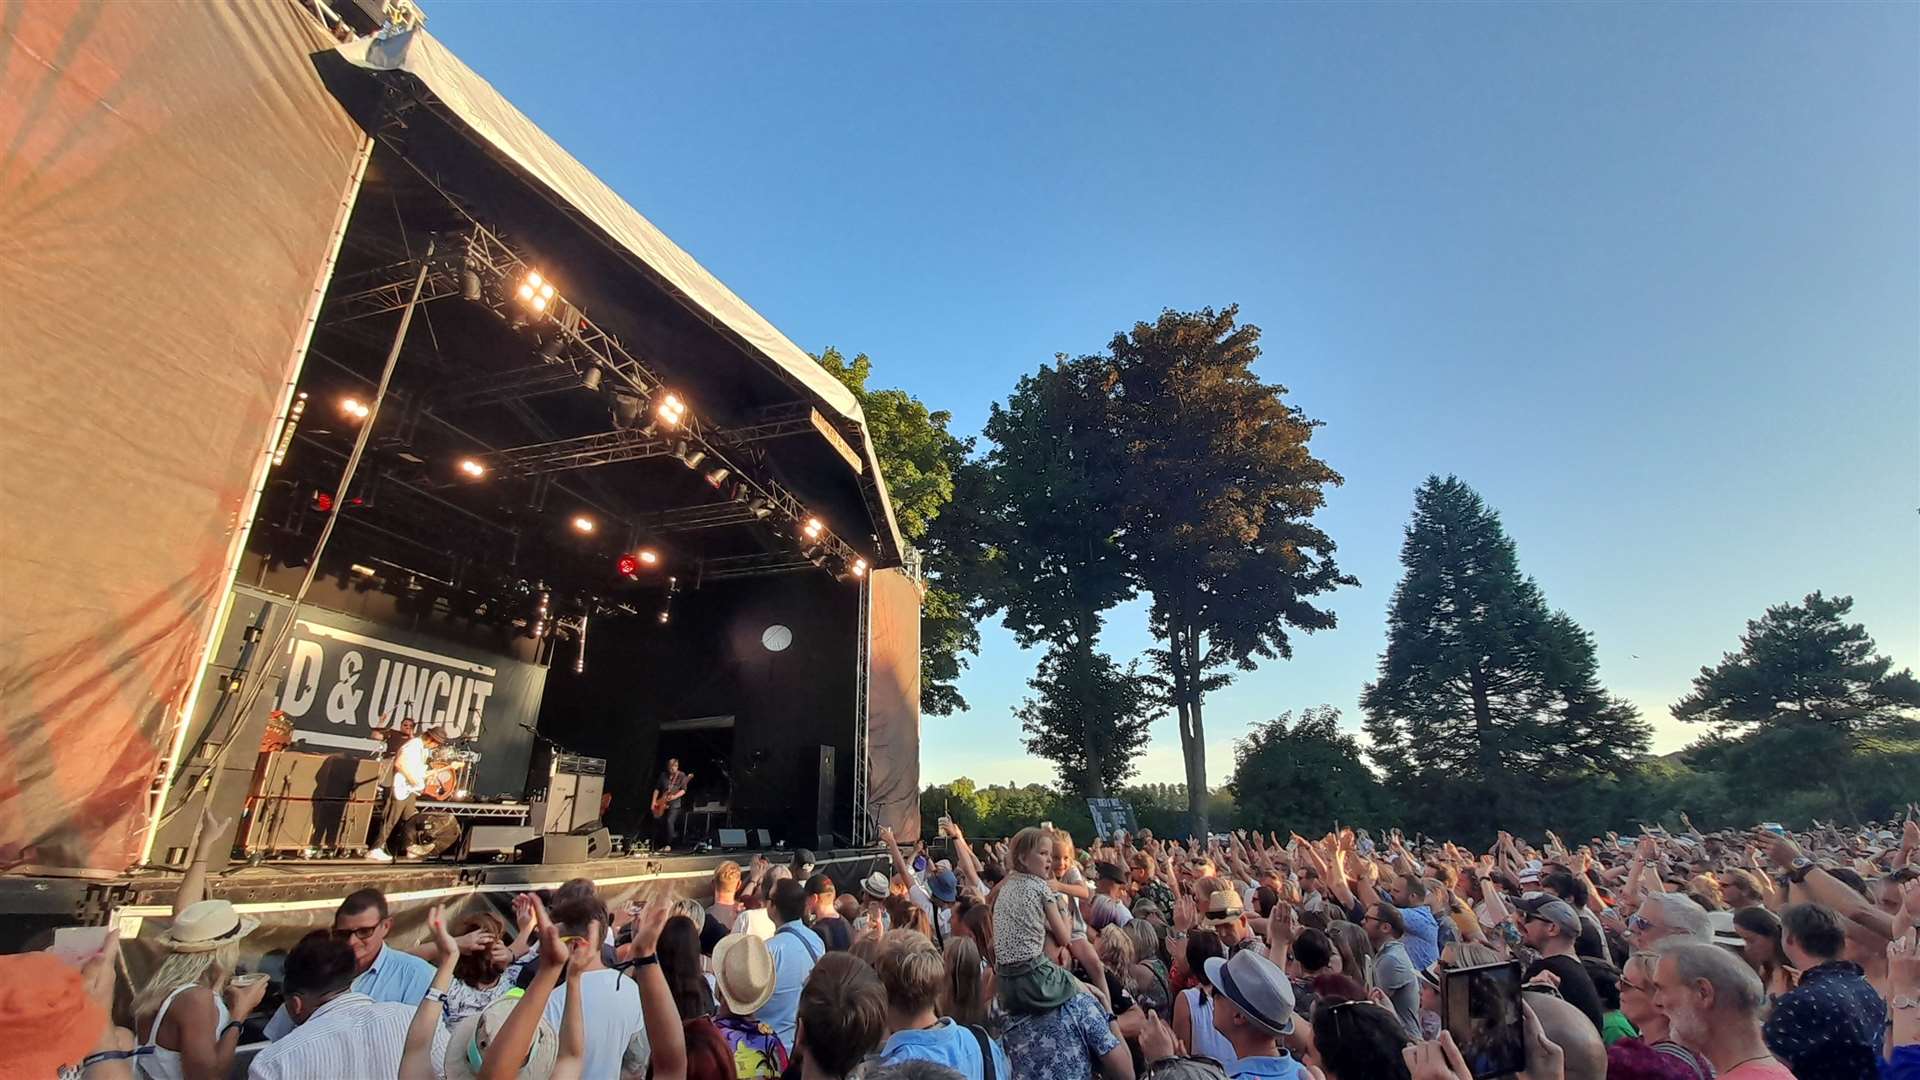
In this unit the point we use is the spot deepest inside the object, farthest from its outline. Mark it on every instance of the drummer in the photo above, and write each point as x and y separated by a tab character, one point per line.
409	777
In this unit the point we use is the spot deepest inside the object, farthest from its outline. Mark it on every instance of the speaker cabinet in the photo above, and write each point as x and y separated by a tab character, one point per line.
556	848
822	817
486	841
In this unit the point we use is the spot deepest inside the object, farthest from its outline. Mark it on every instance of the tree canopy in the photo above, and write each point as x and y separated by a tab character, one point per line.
1486	699
1089	717
1304	773
1220	493
921	462
1808	686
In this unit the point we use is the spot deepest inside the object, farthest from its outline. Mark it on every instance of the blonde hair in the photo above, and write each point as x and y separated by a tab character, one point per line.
726	875
912	970
1116	949
210	969
1062	845
1025	842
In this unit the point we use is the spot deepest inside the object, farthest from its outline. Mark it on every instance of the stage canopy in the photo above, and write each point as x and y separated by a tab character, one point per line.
493	121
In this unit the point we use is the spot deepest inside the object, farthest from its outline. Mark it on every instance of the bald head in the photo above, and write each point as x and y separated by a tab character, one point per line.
1574	1033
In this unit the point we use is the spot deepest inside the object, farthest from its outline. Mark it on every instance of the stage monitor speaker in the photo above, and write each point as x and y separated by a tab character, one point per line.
763	837
551	849
733	838
822	818
556	848
490	840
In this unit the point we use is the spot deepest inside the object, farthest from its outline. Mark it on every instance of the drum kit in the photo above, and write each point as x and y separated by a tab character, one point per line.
449	774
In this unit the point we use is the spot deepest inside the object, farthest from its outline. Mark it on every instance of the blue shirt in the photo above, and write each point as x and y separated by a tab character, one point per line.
1282	1067
394	976
1062	1044
1830	1026
949	1044
1422	938
795	950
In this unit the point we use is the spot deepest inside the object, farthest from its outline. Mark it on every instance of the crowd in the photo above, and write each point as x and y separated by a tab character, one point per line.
1737	955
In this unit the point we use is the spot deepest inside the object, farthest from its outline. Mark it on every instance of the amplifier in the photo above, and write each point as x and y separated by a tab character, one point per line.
579	765
489	840
554	848
297	824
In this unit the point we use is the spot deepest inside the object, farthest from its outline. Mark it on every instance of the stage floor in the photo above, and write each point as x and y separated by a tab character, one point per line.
307	890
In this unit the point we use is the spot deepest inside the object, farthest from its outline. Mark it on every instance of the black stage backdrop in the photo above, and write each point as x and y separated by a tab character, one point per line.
347	676
711	660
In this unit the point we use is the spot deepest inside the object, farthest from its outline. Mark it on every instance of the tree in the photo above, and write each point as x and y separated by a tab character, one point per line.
1052	497
919	460
1218	498
1303	774
1807	701
1090	721
1486	699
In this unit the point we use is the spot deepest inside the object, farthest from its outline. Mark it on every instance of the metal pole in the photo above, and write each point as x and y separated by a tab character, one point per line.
333	517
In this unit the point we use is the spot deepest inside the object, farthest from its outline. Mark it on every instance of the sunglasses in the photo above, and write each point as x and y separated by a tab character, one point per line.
363	933
1638	922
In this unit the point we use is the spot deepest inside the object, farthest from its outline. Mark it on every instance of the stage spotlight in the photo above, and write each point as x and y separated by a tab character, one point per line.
760	506
627	409
551	348
353	408
649	557
540	616
590	378
295	411
472	468
666	615
671	410
536	292
693	460
582	524
716	477
628	565
323	501
859	568
812	529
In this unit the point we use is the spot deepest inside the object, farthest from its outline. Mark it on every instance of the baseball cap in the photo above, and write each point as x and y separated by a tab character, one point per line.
1107	871
1553	910
1257	987
802	862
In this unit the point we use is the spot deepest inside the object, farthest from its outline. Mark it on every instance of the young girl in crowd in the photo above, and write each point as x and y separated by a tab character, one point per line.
1025	920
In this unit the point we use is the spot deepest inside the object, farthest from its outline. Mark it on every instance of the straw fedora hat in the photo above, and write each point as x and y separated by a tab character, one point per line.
478	1030
876	885
743	973
206	926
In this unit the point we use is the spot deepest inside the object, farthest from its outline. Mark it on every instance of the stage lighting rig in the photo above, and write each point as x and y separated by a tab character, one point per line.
295	410
718	476
354	409
812	529
472	469
583	524
535	291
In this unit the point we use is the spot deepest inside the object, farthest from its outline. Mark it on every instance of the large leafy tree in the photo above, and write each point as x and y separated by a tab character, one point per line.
1087	717
1807	702
922	462
1303	774
1486	699
1218	502
1052	500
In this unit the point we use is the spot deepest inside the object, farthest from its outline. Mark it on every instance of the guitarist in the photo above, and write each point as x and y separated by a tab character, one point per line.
669	799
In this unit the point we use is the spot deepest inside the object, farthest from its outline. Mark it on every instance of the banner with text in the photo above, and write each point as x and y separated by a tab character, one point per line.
350	682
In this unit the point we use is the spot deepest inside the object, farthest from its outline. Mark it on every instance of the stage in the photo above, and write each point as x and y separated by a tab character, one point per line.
290	897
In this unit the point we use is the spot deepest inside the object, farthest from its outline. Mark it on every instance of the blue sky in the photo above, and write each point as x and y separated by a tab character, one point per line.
1646	276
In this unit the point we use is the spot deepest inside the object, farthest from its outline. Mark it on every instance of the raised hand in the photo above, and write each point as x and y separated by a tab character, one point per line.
1186	914
647	926
1157	1041
446	947
886	834
1438	1059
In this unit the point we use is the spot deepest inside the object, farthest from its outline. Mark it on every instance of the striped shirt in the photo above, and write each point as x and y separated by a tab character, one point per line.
393	976
350	1036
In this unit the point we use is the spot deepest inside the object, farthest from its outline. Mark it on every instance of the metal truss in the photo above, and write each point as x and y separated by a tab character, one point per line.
583	344
864	826
740	566
501	386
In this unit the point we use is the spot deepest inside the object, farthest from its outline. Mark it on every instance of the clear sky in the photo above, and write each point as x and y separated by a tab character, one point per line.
1647	276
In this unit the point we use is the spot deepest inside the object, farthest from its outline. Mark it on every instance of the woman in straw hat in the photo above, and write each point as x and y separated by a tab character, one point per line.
743	972
191	1010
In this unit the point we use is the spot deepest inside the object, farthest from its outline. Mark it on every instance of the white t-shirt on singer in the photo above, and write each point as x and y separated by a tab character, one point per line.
411	758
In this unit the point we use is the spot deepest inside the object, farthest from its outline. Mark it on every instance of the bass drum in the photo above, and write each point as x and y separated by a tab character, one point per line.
434	834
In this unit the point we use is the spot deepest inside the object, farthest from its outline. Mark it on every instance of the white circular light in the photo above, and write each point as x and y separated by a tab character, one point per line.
776	638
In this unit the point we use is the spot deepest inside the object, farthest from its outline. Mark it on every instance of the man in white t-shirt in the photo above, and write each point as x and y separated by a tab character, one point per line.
609	1001
409	778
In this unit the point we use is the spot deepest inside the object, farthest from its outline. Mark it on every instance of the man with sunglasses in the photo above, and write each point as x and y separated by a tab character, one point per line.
379	972
1551	927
